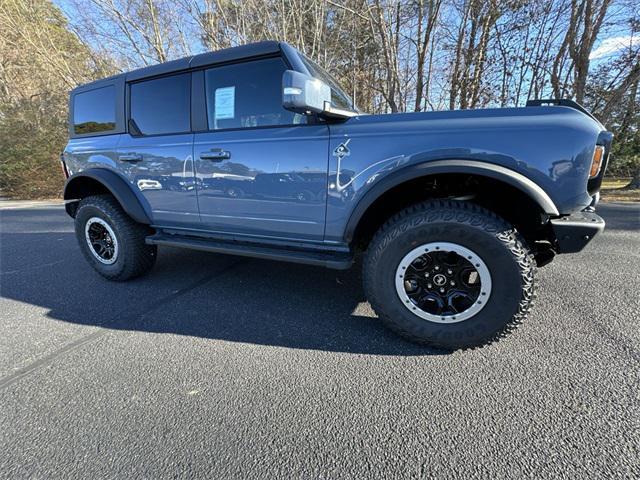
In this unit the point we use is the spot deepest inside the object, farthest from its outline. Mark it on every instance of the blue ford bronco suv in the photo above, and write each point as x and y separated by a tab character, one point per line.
257	151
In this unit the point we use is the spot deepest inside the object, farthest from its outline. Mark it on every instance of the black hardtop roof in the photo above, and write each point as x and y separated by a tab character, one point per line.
203	59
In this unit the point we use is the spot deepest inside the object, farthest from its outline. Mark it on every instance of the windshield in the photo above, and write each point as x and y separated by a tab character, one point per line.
339	99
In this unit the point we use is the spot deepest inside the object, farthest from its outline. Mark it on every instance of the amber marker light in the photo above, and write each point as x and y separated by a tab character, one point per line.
596	163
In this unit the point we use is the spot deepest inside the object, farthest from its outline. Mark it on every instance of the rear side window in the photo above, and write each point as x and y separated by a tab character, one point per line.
162	105
247	95
95	111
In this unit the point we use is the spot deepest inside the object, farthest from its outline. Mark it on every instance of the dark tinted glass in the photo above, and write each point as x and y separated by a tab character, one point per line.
247	95
162	105
95	111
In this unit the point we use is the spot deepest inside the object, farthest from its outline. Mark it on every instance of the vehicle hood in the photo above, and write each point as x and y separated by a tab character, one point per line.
474	116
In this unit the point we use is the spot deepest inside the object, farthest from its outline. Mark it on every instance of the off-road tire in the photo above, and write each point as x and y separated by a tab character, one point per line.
501	247
135	257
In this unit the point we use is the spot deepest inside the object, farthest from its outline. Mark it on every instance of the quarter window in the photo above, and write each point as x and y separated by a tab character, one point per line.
95	111
247	95
162	105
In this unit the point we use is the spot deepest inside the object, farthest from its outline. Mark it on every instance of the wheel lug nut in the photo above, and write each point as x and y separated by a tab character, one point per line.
442	290
429	285
426	275
449	271
452	283
437	268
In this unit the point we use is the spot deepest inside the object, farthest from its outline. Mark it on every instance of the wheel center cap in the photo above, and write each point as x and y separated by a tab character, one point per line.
439	279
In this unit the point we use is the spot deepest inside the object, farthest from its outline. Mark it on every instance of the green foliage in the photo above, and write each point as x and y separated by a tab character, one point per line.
92	127
623	164
29	160
621	117
41	61
625	153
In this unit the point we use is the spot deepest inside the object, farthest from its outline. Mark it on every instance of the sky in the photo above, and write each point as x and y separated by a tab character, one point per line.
612	45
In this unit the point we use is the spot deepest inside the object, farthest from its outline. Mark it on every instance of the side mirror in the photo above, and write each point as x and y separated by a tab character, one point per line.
304	94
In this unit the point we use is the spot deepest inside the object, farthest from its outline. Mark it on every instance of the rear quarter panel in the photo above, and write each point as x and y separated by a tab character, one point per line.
99	152
91	152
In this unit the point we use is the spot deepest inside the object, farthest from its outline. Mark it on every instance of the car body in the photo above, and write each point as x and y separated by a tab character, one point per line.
203	151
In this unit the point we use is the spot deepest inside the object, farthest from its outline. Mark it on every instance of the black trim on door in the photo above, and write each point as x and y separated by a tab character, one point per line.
198	103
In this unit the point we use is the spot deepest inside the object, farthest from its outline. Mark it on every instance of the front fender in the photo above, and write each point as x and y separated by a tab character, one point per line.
497	172
83	184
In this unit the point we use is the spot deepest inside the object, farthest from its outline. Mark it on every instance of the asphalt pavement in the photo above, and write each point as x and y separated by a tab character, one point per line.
226	367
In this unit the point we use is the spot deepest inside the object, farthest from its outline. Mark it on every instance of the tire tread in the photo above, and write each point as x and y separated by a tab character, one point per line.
140	256
470	214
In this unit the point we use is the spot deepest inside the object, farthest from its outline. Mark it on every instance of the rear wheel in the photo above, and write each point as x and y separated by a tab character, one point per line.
113	243
449	274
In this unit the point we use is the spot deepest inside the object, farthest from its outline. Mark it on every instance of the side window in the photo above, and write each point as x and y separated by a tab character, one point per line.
162	105
247	95
95	111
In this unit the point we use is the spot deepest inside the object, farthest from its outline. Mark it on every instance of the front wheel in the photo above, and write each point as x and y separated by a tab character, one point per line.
449	274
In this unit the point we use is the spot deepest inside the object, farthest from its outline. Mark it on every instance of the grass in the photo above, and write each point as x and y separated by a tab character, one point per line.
613	190
613	183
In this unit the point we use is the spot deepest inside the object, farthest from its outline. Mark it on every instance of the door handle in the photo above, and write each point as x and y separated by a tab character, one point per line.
131	157
216	155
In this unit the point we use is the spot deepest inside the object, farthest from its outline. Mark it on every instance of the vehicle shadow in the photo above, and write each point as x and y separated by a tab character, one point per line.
201	295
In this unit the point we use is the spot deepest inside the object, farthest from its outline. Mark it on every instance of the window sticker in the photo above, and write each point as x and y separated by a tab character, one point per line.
225	100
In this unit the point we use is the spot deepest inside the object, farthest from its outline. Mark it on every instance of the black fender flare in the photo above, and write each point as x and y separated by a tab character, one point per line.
136	207
506	175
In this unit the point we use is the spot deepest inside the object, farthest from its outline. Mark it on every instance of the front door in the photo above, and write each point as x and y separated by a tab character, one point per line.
158	158
261	170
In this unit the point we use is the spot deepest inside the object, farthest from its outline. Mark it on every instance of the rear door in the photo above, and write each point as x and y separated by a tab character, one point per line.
261	170
156	153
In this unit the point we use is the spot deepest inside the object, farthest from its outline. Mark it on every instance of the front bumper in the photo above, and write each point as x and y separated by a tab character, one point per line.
573	232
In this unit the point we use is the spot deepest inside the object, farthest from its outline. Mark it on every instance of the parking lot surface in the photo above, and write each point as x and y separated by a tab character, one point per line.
225	367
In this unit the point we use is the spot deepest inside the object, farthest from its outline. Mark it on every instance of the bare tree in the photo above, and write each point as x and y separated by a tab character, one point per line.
136	32
478	19
390	55
427	19
571	64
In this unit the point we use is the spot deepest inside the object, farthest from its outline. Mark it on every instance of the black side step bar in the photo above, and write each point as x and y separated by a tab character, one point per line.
334	260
